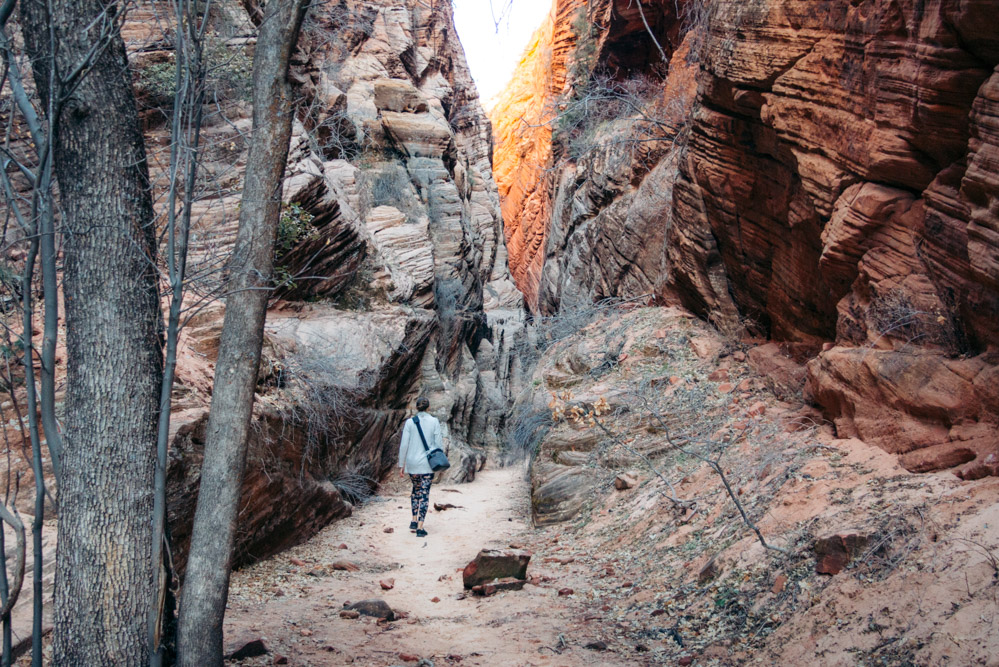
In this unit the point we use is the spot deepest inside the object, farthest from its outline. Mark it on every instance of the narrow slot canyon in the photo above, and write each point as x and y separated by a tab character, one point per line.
704	298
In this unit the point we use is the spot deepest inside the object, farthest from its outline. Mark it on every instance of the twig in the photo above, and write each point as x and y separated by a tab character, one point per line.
11	517
673	498
648	29
713	464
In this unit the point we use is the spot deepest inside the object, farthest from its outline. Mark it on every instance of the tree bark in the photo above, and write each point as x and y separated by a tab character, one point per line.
113	356
206	586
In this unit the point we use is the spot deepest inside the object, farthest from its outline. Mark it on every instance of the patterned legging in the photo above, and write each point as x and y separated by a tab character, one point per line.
420	498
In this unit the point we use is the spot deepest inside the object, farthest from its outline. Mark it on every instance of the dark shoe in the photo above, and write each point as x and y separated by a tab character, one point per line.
421	533
412	526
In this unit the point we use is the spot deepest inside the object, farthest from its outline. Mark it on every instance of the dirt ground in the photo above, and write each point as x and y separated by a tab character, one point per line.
645	582
297	613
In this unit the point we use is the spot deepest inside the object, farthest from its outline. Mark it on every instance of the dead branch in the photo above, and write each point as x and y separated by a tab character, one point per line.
648	29
13	519
713	464
672	497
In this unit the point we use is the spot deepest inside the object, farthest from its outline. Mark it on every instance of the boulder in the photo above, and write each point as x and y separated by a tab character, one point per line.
345	566
491	564
399	95
418	134
719	375
375	608
934	412
485	590
706	347
246	646
785	376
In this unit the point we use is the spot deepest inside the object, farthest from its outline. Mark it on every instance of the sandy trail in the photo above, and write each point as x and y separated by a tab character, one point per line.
298	613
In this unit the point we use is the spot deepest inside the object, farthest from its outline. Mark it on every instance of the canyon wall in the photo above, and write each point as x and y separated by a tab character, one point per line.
821	174
391	260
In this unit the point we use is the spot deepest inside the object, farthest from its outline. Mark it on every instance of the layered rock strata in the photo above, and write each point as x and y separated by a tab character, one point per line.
830	182
391	260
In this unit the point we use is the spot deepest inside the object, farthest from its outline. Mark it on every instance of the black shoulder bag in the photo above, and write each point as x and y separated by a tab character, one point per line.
435	457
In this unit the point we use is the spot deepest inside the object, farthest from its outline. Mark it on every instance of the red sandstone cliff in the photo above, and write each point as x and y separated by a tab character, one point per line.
833	184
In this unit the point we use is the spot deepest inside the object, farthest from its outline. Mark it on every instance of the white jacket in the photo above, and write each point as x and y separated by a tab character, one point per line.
412	456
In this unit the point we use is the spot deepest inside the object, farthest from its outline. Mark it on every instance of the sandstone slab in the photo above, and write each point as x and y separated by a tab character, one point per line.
492	564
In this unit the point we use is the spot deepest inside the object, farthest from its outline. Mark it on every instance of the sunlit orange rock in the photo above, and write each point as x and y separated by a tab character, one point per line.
836	185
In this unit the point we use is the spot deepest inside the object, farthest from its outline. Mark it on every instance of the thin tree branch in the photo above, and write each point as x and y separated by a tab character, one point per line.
11	517
648	29
713	464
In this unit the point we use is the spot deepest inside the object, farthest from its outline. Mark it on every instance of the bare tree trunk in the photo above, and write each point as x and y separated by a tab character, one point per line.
192	21
114	364
206	586
36	457
5	656
40	228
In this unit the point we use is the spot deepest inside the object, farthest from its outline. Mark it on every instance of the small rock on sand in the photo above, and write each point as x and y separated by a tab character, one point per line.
246	646
345	566
625	481
374	608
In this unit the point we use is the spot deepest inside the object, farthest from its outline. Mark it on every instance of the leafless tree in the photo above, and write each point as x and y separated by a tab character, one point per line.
192	20
32	223
207	578
95	149
34	212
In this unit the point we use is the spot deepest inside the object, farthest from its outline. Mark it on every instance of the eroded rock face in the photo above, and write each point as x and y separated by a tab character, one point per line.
559	216
835	185
390	252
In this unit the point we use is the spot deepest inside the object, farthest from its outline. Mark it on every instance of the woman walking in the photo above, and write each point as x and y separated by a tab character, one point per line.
413	460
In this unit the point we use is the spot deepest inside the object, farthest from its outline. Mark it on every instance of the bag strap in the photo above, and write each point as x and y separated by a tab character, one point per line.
416	420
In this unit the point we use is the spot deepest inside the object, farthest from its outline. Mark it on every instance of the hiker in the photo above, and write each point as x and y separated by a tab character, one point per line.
413	460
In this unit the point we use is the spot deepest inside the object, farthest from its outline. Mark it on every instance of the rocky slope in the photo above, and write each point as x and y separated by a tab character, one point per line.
827	179
870	564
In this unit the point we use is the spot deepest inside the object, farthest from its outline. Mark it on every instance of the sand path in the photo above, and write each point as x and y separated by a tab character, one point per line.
298	613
